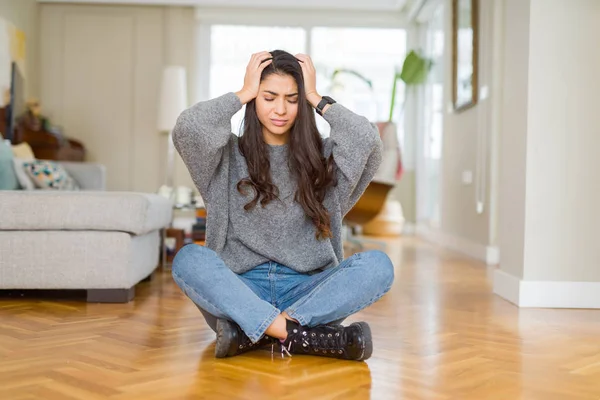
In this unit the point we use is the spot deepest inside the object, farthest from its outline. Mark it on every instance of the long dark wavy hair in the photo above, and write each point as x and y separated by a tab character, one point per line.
314	173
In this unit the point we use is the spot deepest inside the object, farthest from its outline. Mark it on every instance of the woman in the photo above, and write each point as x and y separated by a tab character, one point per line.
273	268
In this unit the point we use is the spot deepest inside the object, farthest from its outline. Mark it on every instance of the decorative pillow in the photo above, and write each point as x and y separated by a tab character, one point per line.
23	151
8	176
25	181
49	175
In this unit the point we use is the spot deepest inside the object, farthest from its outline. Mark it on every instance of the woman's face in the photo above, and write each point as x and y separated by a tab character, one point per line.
277	107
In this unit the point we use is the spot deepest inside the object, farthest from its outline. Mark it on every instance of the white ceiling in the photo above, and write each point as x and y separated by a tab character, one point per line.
370	5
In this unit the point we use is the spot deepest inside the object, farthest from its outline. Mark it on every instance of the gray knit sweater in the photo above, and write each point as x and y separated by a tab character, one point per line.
280	232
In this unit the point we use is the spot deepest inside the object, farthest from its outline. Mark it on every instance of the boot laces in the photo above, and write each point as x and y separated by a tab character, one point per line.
318	343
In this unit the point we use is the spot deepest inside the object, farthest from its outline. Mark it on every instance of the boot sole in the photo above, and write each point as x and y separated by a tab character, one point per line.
224	338
368	340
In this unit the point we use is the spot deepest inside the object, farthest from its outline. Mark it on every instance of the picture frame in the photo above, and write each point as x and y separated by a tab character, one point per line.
465	53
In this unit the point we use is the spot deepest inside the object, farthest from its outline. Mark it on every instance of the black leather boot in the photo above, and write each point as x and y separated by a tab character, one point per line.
231	340
346	342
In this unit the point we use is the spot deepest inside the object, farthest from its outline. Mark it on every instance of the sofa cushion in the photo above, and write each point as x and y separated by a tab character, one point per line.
23	151
76	260
135	213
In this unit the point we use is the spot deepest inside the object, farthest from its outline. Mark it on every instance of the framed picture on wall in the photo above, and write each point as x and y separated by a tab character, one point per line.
465	41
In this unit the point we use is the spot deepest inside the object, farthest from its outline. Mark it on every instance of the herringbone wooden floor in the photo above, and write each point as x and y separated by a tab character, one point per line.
439	334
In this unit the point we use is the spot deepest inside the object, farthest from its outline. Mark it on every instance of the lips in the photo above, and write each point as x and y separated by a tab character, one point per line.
279	122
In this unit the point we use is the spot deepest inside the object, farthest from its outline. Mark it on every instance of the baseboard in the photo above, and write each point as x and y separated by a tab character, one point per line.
458	244
546	294
507	286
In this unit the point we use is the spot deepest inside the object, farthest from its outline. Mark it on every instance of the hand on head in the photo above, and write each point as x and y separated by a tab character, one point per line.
309	74
258	62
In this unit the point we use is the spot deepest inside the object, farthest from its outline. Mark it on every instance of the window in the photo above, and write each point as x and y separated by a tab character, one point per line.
373	53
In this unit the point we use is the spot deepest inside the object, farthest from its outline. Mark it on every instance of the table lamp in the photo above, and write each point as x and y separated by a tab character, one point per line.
173	100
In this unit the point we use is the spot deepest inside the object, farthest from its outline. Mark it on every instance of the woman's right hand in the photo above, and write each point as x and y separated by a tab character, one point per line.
252	79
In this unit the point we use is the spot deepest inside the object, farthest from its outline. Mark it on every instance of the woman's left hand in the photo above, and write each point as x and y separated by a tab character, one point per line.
310	79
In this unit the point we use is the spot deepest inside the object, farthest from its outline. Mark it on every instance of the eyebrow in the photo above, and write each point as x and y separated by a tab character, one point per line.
277	94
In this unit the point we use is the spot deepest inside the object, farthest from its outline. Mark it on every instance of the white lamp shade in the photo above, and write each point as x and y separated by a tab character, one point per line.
173	97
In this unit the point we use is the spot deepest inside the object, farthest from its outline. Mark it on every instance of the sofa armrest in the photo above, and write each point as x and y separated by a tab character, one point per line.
84	210
89	176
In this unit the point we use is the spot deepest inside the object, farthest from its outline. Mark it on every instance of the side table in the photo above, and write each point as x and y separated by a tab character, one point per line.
176	238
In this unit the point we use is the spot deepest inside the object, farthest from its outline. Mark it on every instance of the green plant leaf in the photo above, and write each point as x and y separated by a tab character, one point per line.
415	69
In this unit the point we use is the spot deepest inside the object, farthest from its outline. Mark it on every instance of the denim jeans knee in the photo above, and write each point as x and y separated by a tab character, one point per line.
381	266
190	256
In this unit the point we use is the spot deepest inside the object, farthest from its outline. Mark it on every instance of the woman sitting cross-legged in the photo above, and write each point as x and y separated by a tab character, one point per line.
273	268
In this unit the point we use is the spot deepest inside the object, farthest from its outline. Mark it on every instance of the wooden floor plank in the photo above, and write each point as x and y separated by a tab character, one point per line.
439	334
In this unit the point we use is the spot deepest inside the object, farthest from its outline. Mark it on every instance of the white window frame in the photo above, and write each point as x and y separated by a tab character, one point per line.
423	218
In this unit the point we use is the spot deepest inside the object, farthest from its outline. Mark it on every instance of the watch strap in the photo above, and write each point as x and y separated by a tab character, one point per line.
324	101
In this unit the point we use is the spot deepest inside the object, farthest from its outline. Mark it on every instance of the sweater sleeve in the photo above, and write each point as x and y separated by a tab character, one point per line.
357	150
201	134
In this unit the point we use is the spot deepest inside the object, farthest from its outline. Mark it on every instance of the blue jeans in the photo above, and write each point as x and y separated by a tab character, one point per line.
254	299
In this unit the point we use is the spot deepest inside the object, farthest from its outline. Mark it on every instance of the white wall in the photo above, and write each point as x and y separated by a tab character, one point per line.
551	132
563	189
466	147
513	135
101	80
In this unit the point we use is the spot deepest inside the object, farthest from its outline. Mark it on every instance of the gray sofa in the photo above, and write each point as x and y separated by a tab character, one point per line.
100	241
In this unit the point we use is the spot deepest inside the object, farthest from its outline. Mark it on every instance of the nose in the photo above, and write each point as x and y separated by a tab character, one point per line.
280	108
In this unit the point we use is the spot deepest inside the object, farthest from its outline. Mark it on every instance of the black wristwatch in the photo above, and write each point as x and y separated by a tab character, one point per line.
324	101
